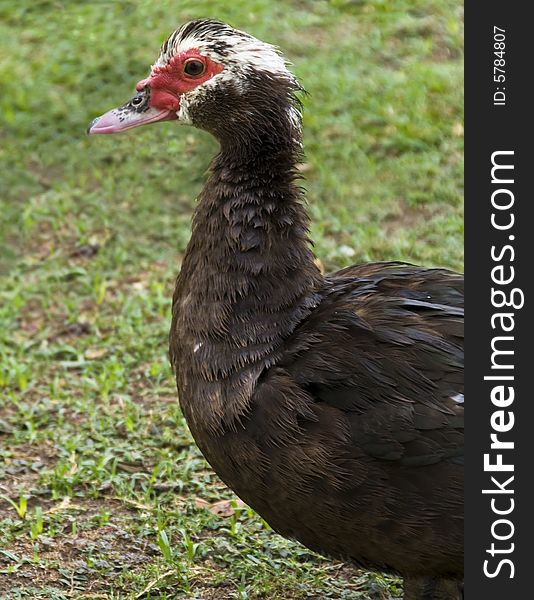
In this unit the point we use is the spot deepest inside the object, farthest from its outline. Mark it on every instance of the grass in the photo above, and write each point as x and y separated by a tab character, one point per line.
102	492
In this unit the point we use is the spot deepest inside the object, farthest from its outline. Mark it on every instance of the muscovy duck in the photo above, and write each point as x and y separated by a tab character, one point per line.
332	405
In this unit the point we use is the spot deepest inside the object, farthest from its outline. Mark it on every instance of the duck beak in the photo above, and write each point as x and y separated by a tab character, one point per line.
134	113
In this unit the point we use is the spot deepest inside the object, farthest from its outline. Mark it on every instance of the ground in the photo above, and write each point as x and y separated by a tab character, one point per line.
102	492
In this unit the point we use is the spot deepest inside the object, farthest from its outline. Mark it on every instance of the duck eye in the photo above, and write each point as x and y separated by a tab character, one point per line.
194	67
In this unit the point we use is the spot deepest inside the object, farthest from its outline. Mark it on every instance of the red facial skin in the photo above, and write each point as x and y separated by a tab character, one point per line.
167	83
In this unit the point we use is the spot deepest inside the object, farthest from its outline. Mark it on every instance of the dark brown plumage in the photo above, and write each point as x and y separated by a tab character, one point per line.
332	405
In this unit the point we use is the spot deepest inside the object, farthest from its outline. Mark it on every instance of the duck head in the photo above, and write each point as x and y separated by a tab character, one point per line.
214	77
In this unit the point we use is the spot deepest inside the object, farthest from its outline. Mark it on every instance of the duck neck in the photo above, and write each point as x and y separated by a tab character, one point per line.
248	276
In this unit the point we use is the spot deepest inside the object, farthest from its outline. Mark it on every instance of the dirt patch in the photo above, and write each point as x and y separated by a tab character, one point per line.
21	471
404	217
77	560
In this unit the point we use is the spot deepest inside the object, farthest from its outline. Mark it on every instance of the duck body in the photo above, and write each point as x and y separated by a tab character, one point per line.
329	448
332	405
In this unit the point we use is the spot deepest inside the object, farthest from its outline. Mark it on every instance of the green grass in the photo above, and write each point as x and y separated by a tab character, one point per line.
102	491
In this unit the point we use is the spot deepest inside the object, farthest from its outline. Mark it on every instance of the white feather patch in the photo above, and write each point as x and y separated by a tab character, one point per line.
242	51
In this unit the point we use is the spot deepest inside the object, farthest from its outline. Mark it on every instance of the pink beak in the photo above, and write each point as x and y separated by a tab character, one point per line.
134	113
